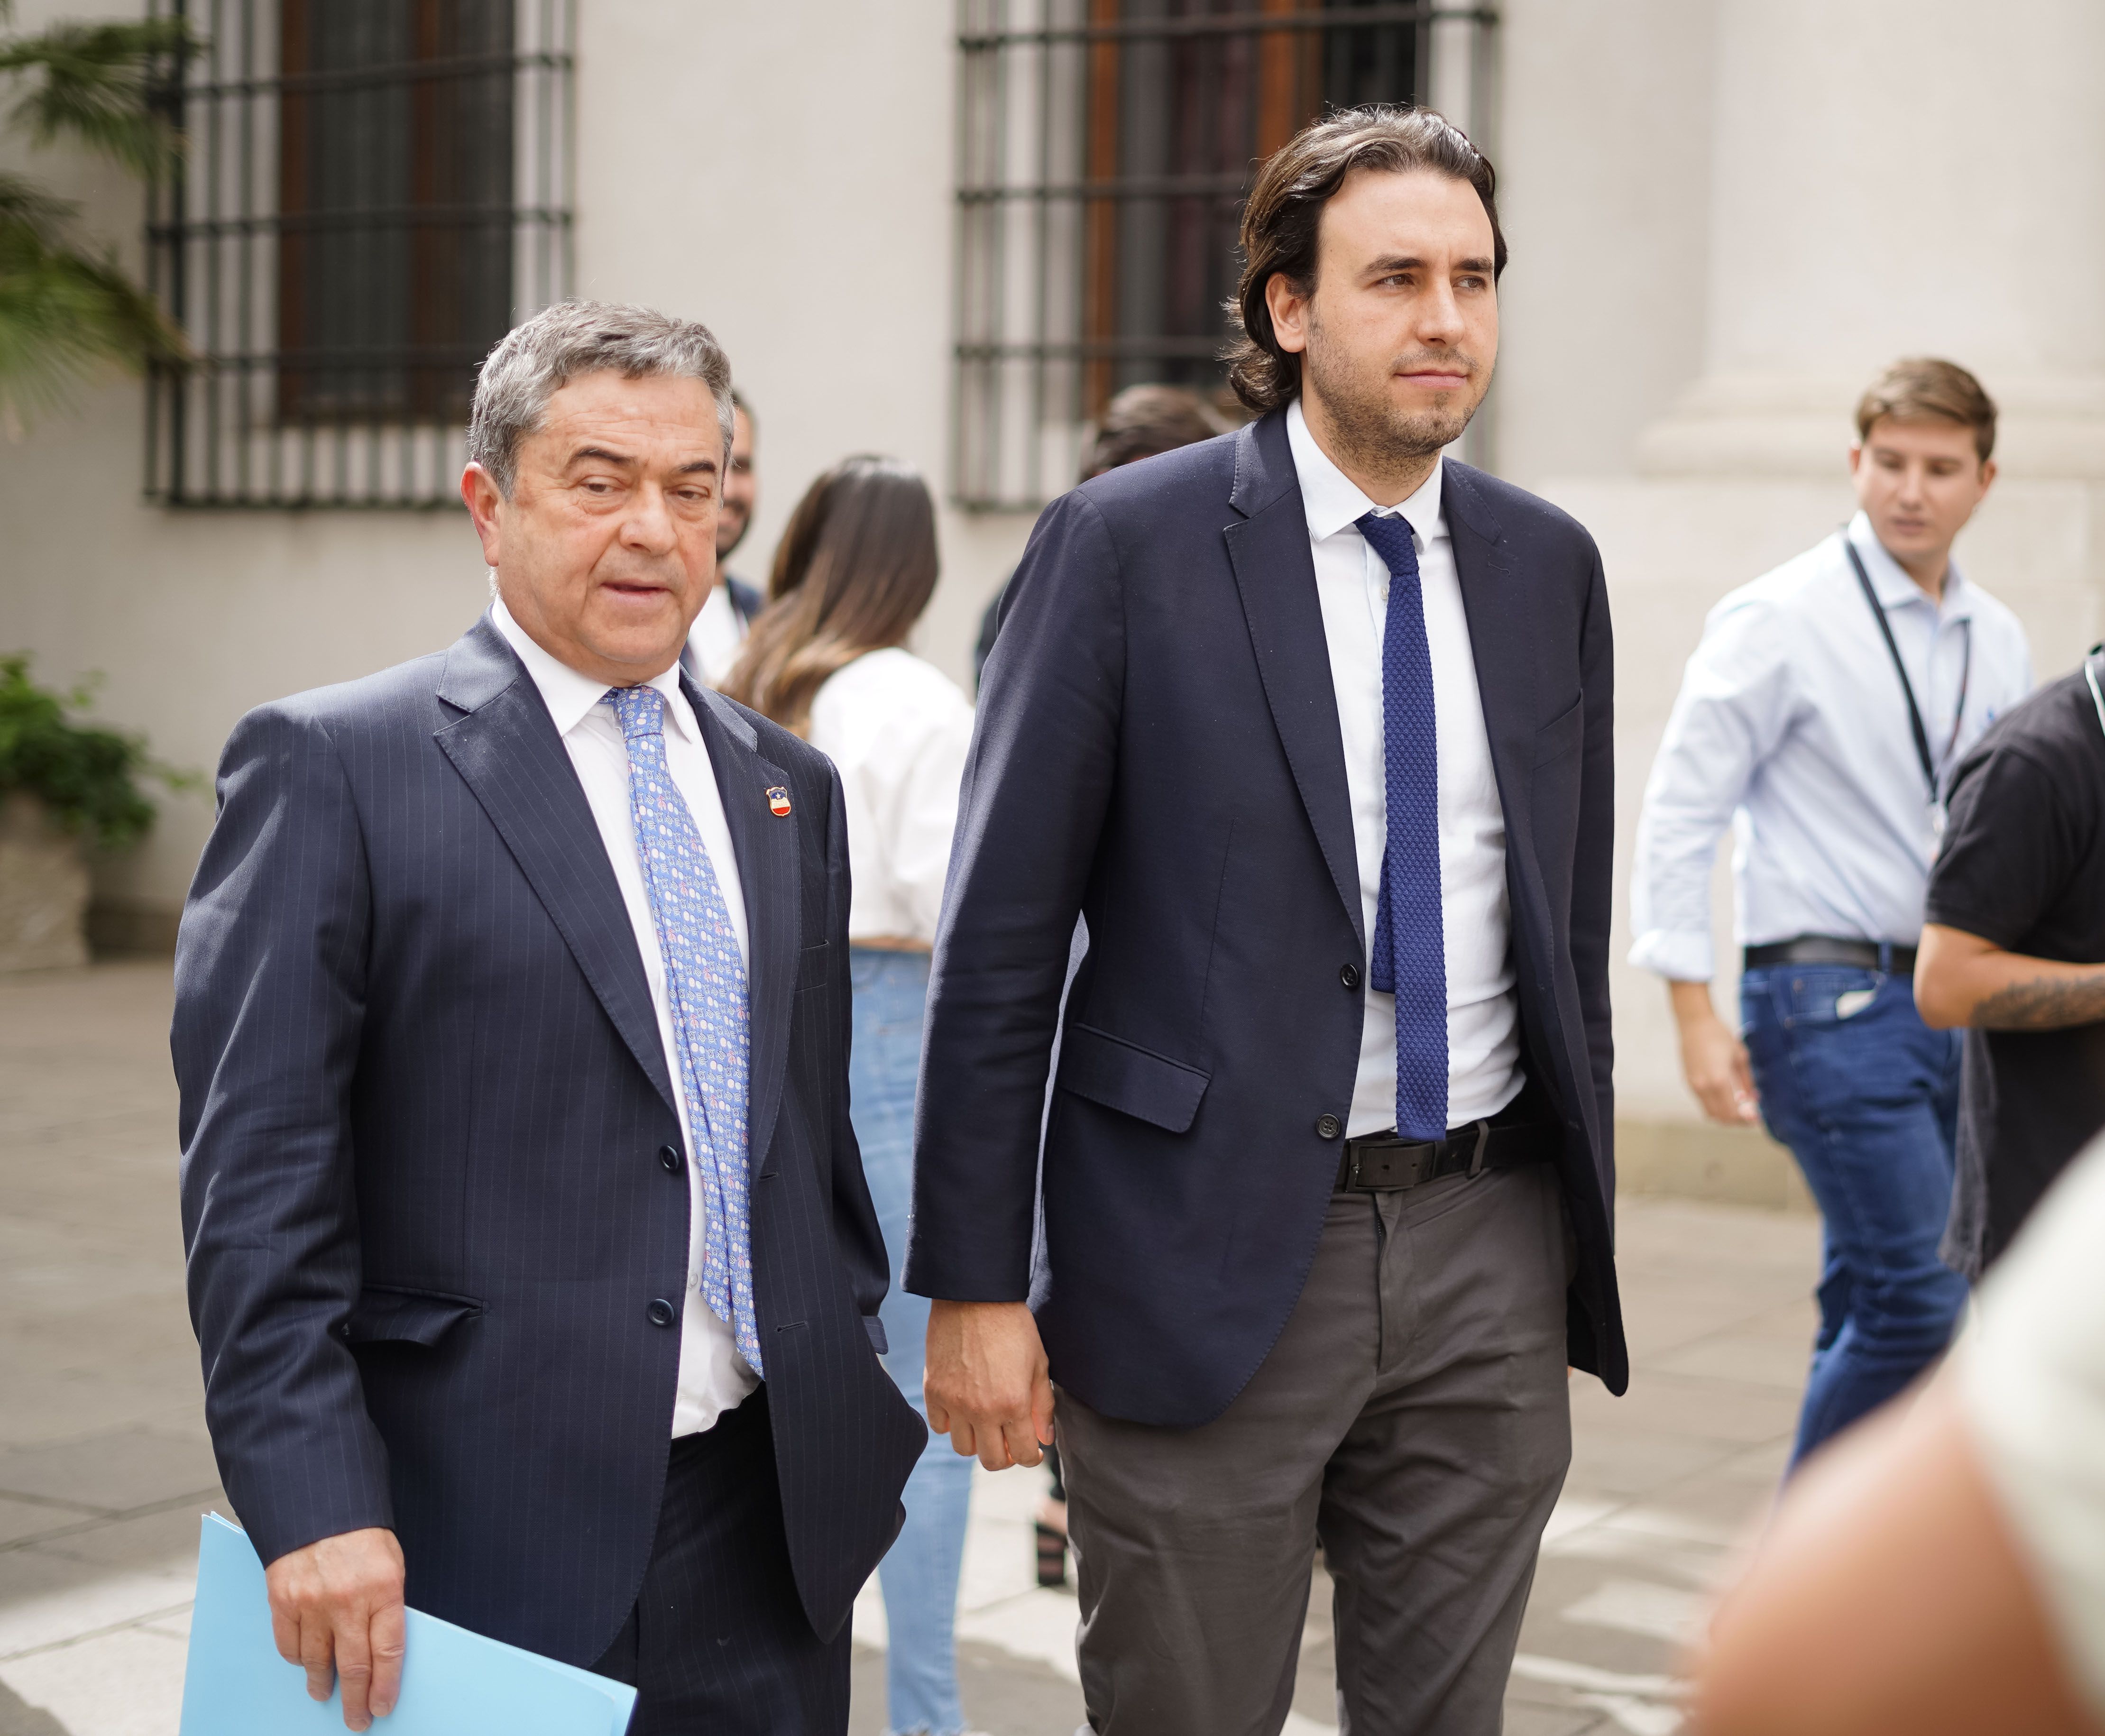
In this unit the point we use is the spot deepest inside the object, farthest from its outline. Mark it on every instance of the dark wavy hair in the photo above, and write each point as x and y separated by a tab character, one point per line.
1285	212
856	567
1143	420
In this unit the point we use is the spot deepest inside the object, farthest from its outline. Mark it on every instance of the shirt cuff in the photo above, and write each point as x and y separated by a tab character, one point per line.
1686	957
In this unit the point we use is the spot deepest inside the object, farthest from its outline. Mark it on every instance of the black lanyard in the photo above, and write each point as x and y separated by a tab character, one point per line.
1907	687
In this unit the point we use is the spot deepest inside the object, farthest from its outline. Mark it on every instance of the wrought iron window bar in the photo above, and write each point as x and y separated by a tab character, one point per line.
1104	151
372	193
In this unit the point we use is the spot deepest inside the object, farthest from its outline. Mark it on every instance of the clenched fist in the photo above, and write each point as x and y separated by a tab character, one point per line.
986	1385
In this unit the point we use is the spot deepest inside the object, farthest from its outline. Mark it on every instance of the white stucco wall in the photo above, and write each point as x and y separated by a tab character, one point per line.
782	173
1602	146
799	201
1882	178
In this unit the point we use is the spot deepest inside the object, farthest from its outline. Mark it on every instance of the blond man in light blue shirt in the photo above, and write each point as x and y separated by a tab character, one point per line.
1820	718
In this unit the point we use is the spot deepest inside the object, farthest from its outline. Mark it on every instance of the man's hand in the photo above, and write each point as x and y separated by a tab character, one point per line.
986	1385
1713	1060
336	1608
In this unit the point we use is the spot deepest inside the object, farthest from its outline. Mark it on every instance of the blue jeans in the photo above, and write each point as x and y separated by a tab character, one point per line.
1867	1097
919	1576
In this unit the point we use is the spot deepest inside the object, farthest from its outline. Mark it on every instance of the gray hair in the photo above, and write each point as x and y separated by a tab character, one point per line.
536	359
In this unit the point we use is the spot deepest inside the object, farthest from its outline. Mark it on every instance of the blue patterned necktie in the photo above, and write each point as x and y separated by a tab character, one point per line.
1409	945
705	981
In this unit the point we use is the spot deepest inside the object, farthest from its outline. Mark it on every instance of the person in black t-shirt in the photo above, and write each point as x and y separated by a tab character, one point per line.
2014	949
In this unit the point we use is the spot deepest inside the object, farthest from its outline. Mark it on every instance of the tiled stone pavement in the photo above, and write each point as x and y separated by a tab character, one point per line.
104	1467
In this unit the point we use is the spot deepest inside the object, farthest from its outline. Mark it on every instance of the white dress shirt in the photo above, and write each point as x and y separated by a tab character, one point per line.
1351	584
718	636
898	728
714	1377
1791	727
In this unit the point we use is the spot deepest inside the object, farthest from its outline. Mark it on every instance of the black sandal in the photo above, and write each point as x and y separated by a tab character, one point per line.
1052	1554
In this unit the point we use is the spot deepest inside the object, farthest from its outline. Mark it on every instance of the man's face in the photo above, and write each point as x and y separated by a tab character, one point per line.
1919	482
741	488
606	549
1400	337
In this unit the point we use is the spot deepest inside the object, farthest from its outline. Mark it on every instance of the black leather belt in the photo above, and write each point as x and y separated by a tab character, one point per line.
1827	949
1382	1162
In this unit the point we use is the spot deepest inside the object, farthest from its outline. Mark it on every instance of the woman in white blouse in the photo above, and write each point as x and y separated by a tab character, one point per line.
855	568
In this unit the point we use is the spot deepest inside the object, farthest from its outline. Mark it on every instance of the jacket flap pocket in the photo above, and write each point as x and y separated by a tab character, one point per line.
385	1316
1134	1081
814	966
1562	734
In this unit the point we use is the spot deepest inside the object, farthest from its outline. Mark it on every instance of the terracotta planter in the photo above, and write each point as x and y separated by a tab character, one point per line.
44	890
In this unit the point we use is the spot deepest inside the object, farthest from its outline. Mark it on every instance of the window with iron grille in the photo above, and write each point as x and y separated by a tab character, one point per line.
372	192
1105	149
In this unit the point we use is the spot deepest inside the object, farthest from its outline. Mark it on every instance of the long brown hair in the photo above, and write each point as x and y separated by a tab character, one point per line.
855	568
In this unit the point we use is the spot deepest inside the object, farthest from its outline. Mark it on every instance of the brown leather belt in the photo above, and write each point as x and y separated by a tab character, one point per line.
1831	949
1382	1162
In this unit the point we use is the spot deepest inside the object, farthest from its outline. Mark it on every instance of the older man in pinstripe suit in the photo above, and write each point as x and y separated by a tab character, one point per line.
530	1251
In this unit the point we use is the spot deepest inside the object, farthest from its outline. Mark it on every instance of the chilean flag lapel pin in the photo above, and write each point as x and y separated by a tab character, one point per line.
778	802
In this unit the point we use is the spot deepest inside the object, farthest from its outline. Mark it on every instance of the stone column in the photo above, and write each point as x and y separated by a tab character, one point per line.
1887	178
1894	177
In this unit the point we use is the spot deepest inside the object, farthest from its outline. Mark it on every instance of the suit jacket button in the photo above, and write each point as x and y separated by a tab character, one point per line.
1329	1127
1349	976
670	1159
662	1313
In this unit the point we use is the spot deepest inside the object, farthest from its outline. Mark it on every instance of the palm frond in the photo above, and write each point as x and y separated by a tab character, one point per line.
66	313
24	203
93	82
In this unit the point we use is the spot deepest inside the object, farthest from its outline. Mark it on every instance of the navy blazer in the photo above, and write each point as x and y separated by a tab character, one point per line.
424	1101
746	599
1157	748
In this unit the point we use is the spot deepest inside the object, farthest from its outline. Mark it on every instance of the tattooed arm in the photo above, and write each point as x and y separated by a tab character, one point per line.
1960	978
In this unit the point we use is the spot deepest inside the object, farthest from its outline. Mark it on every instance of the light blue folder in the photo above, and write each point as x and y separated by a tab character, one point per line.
455	1682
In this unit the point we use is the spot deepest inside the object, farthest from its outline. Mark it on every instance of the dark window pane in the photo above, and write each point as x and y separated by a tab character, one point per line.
1178	123
1105	151
395	270
373	191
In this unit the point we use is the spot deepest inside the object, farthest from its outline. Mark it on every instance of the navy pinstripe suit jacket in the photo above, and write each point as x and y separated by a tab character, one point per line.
424	1098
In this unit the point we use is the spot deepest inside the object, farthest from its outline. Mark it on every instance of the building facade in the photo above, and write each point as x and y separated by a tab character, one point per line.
948	229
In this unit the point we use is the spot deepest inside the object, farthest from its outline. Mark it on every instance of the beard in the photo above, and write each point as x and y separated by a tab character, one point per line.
737	536
1376	436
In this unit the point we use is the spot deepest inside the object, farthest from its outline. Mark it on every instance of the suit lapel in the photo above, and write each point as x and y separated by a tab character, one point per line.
1276	573
768	873
507	750
1494	603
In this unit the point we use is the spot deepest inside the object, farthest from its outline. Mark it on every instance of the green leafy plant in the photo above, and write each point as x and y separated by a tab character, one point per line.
67	308
88	777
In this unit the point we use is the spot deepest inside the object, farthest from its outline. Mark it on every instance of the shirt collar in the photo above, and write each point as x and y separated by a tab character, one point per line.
1333	502
1891	583
718	609
570	696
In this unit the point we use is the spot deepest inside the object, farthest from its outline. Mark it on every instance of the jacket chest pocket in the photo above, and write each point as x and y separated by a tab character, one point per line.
1563	735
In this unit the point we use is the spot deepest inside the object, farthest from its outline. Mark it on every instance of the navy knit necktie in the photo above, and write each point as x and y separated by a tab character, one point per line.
1409	945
